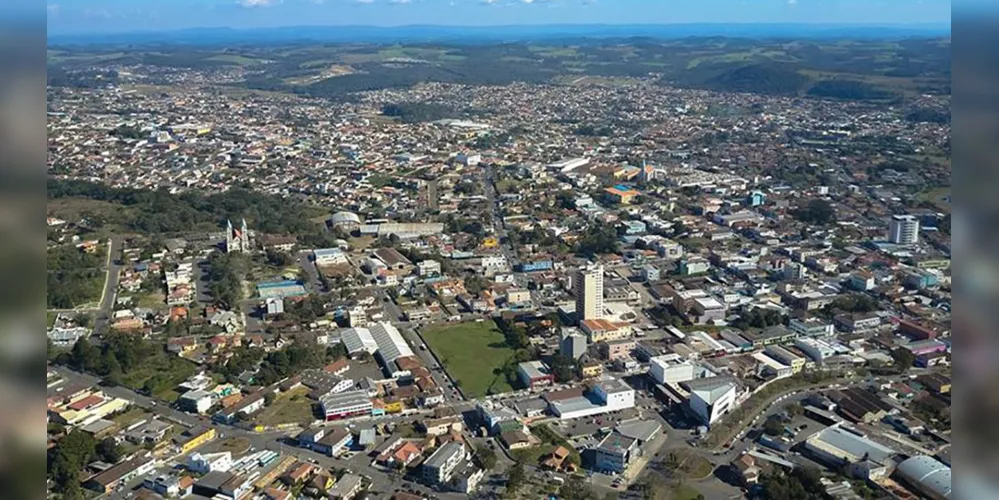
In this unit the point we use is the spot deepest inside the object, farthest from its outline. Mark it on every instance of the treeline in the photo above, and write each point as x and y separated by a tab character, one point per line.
74	277
849	89
155	212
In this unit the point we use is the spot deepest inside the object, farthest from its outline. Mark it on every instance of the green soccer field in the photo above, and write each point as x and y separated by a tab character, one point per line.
471	352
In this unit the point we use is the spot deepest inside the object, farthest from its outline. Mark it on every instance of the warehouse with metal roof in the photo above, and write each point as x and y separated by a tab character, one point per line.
927	475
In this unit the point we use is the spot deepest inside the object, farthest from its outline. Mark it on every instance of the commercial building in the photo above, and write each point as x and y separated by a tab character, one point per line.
329	256
193	438
811	327
604	396
345	405
615	452
602	330
357	340
534	374
797	363
903	229
615	349
589	286
711	398
391	345
671	369
438	468
926	476
348	221
573	343
816	349
839	446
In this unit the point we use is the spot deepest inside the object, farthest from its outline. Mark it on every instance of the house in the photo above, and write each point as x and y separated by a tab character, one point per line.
247	406
329	441
557	460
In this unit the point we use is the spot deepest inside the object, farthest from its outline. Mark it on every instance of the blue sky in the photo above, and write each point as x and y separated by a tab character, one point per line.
105	16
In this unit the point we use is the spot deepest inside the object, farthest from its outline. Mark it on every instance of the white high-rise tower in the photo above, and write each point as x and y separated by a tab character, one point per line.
903	229
590	292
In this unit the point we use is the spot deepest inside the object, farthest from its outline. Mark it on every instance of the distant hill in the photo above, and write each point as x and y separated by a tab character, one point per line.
493	34
769	79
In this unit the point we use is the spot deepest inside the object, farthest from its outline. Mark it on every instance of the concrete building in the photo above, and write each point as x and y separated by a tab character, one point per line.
671	368
615	452
840	446
816	349
604	396
589	285
711	398
345	405
573	343
439	467
811	327
903	229
534	374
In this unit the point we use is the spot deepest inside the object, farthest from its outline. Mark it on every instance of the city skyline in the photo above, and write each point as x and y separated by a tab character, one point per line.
119	16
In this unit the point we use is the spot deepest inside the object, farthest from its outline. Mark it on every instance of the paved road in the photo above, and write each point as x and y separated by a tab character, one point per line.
110	291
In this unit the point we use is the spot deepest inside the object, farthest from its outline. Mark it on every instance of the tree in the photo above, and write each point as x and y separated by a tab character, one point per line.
84	356
575	488
515	477
562	368
485	457
817	211
269	398
773	426
109	451
279	259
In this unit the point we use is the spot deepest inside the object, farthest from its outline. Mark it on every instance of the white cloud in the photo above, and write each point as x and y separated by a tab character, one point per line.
257	3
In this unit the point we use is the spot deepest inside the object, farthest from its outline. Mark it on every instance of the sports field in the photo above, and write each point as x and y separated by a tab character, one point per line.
471	353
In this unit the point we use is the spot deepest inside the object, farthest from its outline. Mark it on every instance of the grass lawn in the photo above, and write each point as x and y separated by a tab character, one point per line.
690	464
168	371
684	492
130	417
532	455
471	352
290	407
50	317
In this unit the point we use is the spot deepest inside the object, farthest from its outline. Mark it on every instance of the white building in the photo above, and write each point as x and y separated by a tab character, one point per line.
428	268
811	327
671	369
710	398
816	349
329	256
903	229
210	462
439	467
589	285
357	340
607	395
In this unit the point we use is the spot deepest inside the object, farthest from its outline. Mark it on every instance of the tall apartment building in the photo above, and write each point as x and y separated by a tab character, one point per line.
589	285
903	229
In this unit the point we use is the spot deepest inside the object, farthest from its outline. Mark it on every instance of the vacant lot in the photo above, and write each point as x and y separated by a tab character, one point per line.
293	406
473	353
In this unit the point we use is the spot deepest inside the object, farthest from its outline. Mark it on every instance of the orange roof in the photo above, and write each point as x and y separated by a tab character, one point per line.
86	402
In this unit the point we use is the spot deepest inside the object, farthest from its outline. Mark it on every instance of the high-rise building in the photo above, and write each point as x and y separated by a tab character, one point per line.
903	229
590	292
